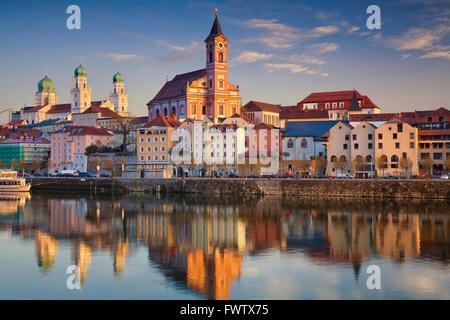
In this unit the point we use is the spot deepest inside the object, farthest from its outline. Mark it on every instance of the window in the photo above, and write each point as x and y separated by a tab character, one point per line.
394	136
210	57
156	149
341	104
411	145
411	135
397	145
354	137
304	143
369	146
149	149
369	136
327	105
163	149
142	140
380	146
210	83
142	158
149	158
404	155
369	159
347	137
380	136
174	110
399	127
221	109
163	157
142	149
163	139
220	57
156	139
204	110
437	156
345	146
149	139
156	158
290	143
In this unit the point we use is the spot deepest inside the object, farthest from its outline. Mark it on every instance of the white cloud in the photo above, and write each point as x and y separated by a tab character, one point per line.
251	56
406	56
292	68
353	29
418	38
122	56
303	58
325	47
181	53
436	54
281	36
324	74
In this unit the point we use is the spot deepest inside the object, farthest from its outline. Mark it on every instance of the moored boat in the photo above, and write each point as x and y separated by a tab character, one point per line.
9	182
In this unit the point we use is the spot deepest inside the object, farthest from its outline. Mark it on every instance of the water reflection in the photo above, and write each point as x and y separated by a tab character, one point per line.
200	245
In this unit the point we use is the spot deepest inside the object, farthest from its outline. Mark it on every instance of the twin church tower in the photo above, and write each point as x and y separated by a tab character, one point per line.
81	93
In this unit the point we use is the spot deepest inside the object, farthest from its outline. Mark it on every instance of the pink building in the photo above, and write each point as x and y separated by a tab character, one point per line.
68	146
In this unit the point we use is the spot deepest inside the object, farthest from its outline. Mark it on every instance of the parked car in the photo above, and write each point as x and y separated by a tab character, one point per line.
344	176
252	176
105	175
321	176
444	177
391	177
85	174
233	175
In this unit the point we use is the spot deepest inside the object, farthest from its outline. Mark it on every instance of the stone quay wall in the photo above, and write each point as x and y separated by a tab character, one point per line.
253	188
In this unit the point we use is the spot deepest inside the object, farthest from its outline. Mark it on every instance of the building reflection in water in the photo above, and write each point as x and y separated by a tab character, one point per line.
200	245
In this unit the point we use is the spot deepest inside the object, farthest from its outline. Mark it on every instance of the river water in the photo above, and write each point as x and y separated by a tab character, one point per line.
140	246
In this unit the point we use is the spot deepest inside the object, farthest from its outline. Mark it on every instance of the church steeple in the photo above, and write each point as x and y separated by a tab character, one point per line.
216	29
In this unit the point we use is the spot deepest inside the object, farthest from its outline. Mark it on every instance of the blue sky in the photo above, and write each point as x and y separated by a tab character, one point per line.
280	51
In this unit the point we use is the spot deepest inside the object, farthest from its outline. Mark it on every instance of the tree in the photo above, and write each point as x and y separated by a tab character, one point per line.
447	164
91	149
381	163
14	164
318	165
404	164
36	165
427	164
108	164
95	162
22	165
357	164
125	124
340	164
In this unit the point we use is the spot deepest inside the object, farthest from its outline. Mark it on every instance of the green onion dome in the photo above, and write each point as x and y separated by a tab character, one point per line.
118	78
80	71
46	85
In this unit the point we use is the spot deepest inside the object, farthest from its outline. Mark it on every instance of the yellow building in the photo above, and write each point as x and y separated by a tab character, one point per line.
396	139
154	143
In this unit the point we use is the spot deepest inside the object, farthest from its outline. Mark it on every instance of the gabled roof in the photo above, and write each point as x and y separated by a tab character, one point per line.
34	109
295	113
264	126
26	139
177	86
60	108
331	96
253	106
354	105
162	121
223	126
86	130
308	128
104	112
238	115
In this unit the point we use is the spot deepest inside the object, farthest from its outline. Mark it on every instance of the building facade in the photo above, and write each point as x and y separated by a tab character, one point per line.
204	93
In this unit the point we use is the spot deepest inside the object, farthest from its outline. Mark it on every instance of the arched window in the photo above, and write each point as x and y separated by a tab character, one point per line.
194	109
174	110
234	110
343	159
220	57
304	143
394	158
210	57
220	109
290	143
165	111
369	159
333	159
204	110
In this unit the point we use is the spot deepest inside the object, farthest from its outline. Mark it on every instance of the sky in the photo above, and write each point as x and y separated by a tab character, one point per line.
279	51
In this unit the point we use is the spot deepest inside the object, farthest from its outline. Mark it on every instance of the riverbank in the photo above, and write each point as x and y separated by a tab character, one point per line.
254	188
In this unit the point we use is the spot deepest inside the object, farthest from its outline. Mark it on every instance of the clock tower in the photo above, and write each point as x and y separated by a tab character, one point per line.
217	72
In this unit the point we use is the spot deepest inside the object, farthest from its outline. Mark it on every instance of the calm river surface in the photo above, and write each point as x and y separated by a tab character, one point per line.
139	246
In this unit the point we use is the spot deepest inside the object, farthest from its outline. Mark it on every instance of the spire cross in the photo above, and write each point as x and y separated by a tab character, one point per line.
216	11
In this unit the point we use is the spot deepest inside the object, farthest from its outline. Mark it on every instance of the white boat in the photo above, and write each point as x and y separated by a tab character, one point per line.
9	182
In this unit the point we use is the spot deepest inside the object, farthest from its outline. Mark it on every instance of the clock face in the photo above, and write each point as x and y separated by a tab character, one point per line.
220	45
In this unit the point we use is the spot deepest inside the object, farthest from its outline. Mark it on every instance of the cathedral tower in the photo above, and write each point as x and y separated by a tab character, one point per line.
81	92
46	94
119	96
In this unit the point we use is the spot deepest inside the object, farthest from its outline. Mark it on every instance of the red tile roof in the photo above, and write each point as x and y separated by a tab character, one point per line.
25	140
238	115
371	117
60	108
263	125
86	130
335	96
253	106
163	121
295	113
104	112
21	131
33	109
177	86
225	126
